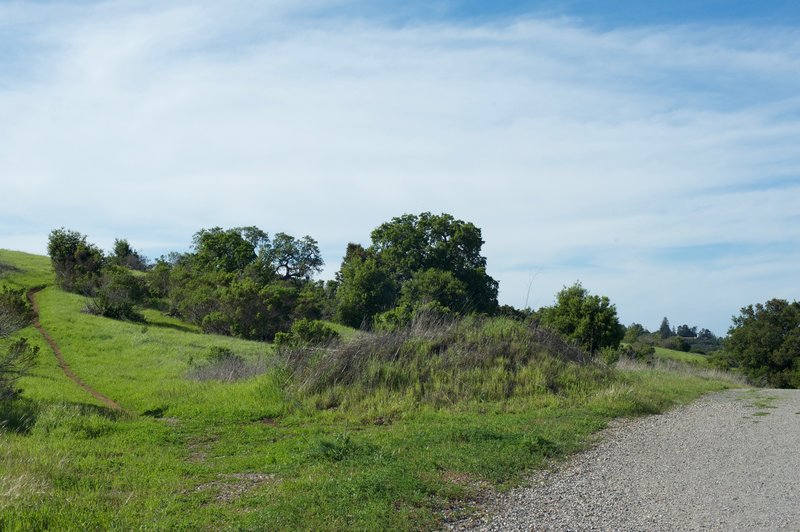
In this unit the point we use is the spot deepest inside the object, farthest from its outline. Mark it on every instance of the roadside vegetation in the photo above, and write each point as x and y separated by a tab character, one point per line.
255	397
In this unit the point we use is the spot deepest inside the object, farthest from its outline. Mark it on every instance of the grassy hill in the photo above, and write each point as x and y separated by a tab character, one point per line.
262	452
693	359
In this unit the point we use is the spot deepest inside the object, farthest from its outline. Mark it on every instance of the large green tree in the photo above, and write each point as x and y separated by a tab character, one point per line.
240	282
764	341
228	250
365	288
413	260
587	319
292	258
410	244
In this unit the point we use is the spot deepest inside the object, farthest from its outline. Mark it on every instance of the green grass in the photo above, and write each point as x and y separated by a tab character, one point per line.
24	270
693	359
260	453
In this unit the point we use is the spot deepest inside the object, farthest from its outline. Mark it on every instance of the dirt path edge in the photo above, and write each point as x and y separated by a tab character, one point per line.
65	367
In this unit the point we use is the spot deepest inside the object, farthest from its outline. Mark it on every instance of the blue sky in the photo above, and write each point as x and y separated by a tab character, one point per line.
647	149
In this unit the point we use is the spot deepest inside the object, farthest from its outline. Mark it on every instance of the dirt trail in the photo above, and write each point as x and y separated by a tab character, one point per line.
62	362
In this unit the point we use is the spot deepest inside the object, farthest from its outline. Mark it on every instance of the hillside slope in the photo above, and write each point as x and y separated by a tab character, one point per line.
259	452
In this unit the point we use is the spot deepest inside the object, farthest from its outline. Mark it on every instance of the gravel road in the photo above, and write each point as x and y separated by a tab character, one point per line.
730	461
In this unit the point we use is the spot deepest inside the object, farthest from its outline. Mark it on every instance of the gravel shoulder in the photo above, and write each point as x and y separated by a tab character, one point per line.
729	461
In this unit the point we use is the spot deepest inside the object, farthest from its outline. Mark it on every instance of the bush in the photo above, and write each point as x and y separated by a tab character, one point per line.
676	343
77	263
218	354
15	311
215	323
17	361
117	295
406	313
587	319
638	351
224	365
306	333
609	355
20	357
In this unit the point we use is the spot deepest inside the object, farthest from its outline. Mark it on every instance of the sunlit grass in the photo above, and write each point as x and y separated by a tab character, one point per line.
263	453
680	356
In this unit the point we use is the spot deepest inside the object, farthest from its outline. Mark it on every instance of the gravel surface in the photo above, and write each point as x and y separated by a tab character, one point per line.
730	461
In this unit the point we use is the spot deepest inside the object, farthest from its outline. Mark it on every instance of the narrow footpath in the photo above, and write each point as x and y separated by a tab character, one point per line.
60	357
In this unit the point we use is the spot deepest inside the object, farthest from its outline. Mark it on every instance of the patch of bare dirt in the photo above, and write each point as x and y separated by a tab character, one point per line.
231	486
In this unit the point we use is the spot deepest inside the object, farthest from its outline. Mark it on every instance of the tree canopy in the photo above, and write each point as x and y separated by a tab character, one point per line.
240	282
764	341
665	330
587	319
414	260
76	262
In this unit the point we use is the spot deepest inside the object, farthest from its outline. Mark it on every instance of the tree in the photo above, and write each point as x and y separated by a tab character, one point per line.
633	332
440	286
587	319
294	259
76	263
239	282
764	341
665	331
365	290
705	334
410	244
415	260
117	294
125	255
228	250
684	331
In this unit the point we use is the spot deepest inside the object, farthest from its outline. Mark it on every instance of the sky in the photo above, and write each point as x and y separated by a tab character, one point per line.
648	150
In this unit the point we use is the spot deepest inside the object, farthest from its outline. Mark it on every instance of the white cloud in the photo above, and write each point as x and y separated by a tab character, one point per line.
151	121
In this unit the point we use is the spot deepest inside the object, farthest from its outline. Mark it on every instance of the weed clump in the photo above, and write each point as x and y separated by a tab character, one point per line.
224	365
441	360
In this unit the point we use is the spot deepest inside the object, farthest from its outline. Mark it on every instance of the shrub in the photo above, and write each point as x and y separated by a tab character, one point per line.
609	355
215	323
638	351
676	343
15	311
117	295
77	263
306	332
764	342
587	319
224	365
20	357
17	361
406	313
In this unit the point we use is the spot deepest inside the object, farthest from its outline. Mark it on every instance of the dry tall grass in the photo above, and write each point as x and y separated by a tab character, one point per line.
673	366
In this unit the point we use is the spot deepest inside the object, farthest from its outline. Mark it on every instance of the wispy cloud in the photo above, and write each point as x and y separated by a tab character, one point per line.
581	153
